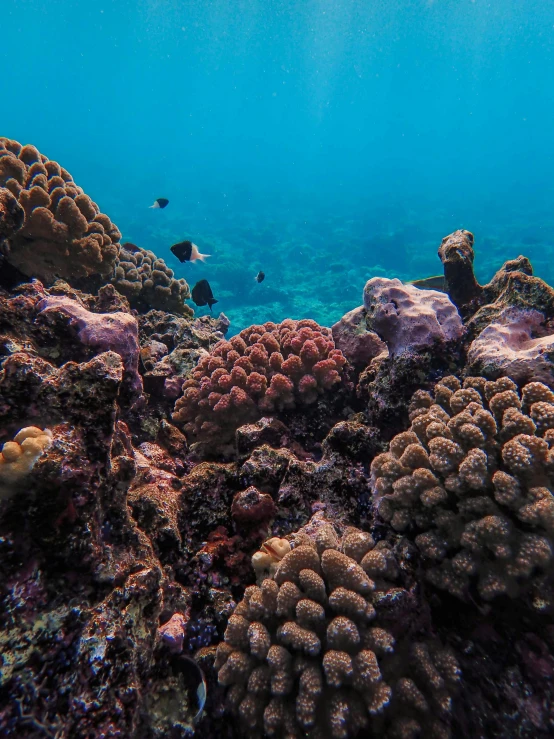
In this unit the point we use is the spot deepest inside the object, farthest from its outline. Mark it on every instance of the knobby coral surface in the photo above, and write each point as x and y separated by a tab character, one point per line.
471	480
515	345
12	214
64	234
263	369
116	332
147	282
408	318
307	653
19	456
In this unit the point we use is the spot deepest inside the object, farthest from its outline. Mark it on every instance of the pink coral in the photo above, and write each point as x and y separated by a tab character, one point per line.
264	369
358	344
410	319
514	345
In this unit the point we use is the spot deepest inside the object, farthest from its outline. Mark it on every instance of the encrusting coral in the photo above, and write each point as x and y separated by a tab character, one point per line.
116	332
471	481
261	370
409	319
308	653
147	282
516	345
64	234
18	457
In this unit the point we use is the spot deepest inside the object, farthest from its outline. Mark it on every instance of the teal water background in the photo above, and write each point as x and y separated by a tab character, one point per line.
323	141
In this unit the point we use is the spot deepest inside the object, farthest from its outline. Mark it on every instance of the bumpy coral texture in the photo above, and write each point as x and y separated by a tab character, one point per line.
64	234
516	345
472	481
261	370
19	456
116	331
410	319
357	343
147	282
305	653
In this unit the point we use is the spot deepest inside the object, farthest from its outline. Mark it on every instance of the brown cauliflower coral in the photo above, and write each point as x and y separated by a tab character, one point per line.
472	482
147	282
64	235
309	653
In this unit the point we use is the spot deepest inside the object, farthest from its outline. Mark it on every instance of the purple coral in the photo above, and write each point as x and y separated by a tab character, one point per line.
410	319
117	332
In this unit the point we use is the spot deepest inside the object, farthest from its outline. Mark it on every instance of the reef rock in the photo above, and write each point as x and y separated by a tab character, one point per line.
514	346
116	332
410	319
514	285
352	336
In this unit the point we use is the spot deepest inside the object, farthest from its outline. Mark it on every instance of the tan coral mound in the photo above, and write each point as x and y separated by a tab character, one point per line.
306	654
64	235
147	282
18	457
472	481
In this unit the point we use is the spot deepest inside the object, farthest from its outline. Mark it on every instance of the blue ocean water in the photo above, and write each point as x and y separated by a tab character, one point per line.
323	141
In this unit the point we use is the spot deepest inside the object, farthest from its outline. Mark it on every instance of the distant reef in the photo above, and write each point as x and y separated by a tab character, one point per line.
302	531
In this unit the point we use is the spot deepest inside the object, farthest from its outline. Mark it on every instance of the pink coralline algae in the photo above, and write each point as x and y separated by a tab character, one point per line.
261	370
409	319
357	343
172	632
117	332
515	345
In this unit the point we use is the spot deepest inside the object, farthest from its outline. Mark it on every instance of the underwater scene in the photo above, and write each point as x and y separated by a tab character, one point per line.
277	369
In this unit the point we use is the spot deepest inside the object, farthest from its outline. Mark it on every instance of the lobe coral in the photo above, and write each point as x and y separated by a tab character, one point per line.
64	234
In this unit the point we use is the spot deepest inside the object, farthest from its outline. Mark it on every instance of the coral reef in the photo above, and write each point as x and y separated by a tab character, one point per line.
147	282
263	369
470	481
64	234
126	558
308	652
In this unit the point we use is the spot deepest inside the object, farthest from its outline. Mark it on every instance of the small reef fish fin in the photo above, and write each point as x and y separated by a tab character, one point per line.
436	282
196	256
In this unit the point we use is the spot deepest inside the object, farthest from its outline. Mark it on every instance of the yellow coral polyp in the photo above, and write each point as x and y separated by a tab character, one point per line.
271	552
18	457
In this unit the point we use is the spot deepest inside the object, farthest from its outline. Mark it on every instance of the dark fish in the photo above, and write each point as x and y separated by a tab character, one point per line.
436	282
160	203
260	277
186	251
202	294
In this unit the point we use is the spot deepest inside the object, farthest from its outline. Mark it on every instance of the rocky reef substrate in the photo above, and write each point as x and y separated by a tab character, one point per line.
299	532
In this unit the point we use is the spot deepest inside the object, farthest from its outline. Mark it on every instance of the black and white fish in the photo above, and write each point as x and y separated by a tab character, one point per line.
160	203
186	251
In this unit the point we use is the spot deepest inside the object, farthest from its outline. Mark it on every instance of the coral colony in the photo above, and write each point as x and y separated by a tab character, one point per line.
295	532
